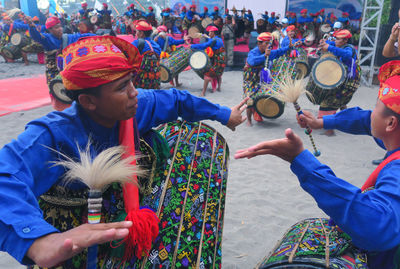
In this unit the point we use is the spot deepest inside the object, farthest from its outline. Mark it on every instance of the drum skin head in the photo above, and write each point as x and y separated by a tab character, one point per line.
198	60
303	69
165	76
57	89
329	73
269	107
16	39
206	22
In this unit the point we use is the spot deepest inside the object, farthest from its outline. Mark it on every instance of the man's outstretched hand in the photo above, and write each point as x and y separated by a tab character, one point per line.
52	249
285	148
236	117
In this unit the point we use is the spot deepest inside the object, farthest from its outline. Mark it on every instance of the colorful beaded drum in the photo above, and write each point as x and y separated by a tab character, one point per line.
315	243
178	60
189	196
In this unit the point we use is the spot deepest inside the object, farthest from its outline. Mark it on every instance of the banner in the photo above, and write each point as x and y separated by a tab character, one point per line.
176	5
337	7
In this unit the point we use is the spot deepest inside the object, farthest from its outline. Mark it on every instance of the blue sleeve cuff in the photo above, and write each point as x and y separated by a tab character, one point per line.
304	164
329	122
224	115
21	236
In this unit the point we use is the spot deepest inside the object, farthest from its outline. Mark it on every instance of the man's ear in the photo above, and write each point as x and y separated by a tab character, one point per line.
393	123
87	101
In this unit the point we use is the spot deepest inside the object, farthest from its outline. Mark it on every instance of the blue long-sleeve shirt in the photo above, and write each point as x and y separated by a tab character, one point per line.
217	45
302	20
249	17
215	14
271	20
50	42
286	41
26	170
345	54
256	57
171	41
204	15
372	219
146	47
190	14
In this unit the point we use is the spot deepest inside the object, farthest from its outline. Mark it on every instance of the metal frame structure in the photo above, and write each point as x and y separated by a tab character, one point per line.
370	25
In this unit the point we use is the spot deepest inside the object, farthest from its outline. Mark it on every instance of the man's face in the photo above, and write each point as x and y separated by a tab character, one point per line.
262	45
378	119
340	42
211	34
140	34
56	30
291	34
117	101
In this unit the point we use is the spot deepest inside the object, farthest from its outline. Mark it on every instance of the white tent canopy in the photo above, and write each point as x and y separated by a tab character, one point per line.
258	7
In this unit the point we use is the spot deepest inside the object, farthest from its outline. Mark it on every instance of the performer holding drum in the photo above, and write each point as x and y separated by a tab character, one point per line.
256	61
106	100
363	228
148	76
168	49
216	52
53	43
336	76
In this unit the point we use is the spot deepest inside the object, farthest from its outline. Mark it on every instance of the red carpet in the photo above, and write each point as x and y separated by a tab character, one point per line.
23	93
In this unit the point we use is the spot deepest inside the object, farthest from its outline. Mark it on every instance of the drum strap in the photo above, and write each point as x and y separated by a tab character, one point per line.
11	29
64	41
166	43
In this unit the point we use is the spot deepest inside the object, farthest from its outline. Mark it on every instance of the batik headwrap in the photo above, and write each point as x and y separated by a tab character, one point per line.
97	60
389	91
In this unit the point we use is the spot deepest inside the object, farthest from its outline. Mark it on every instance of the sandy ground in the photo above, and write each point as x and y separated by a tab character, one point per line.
263	197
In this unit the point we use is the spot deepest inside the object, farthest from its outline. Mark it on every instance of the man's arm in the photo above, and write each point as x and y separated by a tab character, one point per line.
371	219
161	106
389	50
352	120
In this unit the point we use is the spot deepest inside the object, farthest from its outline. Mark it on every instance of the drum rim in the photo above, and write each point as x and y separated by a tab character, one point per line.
280	104
163	67
198	51
308	67
64	98
324	86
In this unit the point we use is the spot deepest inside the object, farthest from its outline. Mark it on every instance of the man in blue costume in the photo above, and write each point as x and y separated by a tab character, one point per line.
290	37
104	17
10	27
215	13
53	43
214	47
341	95
368	215
103	100
256	61
149	72
205	14
168	46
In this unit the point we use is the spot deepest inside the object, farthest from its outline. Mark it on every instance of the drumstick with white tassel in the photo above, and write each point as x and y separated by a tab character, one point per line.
108	167
290	91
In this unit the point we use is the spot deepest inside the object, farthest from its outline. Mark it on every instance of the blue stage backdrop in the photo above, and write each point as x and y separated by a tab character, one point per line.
176	5
353	7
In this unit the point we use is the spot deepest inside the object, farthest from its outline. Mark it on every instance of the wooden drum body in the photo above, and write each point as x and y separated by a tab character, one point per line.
170	67
11	51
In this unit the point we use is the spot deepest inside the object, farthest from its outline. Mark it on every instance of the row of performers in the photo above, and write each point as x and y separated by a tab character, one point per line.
257	82
152	47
